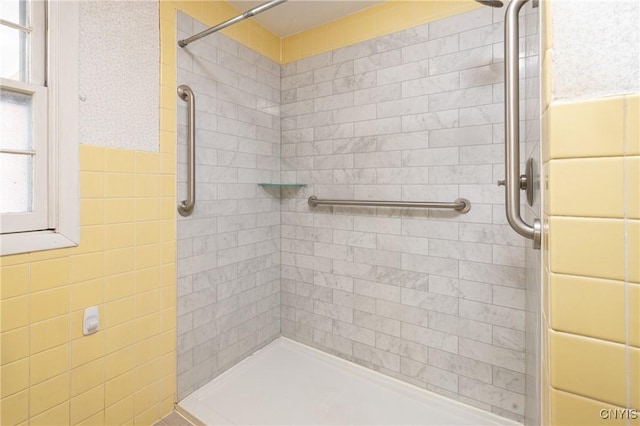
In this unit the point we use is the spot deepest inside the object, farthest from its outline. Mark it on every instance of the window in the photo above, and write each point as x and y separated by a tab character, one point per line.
38	125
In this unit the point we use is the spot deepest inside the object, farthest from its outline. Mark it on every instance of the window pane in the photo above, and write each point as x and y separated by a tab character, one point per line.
15	120
13	53
15	11
16	175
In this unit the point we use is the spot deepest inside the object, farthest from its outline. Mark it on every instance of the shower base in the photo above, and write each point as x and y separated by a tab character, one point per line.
287	383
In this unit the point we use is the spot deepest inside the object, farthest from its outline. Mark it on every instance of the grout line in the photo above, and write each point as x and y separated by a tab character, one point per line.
625	200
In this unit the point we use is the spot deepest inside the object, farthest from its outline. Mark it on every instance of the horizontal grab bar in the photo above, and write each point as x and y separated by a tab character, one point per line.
461	205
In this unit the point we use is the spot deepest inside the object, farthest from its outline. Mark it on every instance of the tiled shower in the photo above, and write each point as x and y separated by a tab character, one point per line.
410	316
434	298
229	249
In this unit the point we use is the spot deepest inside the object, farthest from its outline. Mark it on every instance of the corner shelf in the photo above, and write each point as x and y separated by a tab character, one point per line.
282	185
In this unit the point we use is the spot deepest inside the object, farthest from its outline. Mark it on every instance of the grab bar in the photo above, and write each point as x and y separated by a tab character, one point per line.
185	207
513	181
461	205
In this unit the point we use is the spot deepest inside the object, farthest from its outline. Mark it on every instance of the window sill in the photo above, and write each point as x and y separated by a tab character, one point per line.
24	242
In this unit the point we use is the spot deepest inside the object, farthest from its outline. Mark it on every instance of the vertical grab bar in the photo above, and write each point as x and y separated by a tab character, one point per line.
512	126
185	207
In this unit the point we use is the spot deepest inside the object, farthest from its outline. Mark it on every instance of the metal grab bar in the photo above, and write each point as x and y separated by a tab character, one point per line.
512	127
461	205
185	207
248	14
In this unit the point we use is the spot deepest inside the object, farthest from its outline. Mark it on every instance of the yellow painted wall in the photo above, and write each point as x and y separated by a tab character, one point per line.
375	21
247	32
369	23
591	257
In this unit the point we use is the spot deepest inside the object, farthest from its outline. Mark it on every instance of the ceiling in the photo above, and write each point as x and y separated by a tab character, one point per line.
298	15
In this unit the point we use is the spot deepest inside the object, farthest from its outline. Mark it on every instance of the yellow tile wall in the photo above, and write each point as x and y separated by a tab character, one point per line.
591	259
572	409
124	264
594	368
51	374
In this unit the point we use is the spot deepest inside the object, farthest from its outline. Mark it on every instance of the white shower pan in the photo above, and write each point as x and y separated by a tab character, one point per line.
287	383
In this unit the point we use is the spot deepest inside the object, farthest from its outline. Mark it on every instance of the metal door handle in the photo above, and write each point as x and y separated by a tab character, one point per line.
523	182
512	127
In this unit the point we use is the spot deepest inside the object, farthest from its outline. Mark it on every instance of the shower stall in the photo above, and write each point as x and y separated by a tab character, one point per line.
444	297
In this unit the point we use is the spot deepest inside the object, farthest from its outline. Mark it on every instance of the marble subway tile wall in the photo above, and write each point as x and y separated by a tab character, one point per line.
530	99
228	250
434	298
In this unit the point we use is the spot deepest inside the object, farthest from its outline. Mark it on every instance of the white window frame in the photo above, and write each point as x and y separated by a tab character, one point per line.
37	218
62	228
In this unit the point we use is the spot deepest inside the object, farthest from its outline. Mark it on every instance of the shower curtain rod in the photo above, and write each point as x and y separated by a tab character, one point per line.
248	14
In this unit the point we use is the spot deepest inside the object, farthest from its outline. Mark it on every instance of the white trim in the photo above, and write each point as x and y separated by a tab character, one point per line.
15	26
37	42
22	242
63	48
62	78
17	151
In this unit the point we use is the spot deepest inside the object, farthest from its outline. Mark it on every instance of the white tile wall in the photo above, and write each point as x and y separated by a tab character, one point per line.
434	298
229	248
